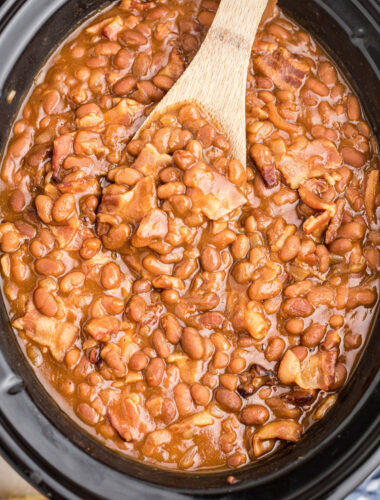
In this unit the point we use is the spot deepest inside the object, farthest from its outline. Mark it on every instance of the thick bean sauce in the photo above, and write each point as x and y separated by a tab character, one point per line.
189	312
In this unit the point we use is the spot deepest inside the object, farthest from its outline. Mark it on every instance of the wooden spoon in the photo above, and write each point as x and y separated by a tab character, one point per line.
216	78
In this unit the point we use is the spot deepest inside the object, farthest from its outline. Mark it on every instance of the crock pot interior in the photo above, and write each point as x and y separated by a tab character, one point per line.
56	455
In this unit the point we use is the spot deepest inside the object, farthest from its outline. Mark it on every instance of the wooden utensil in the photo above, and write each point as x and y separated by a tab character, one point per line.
216	78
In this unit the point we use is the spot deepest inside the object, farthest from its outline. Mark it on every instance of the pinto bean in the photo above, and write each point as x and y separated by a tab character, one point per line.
154	372
254	415
45	302
228	399
160	344
210	259
298	307
290	248
192	343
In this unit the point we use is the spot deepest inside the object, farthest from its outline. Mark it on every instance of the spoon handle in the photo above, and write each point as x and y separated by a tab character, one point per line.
216	78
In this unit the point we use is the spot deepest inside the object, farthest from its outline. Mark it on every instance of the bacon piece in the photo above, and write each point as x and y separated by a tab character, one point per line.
63	146
371	190
175	67
130	206
336	221
264	161
308	160
150	161
124	112
84	185
315	372
211	192
112	29
285	70
154	226
55	334
129	418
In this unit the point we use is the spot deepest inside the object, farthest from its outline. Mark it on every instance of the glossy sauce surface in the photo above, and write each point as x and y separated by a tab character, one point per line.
191	314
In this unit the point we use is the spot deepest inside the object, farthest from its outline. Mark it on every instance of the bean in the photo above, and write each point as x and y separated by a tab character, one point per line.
352	231
290	248
116	237
313	335
110	276
90	248
200	394
125	85
237	365
263	290
49	266
112	305
136	308
240	246
44	206
183	399
353	157
155	266
165	191
133	38
160	344
236	172
141	65
170	297
298	307
45	302
210	259
340	246
221	360
154	372
17	201
138	361
254	415
223	239
71	281
64	207
353	108
172	328
141	286
228	399
192	343
185	268
87	414
276	346
294	326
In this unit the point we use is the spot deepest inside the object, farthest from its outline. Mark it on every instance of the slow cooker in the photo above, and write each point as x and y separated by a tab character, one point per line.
61	460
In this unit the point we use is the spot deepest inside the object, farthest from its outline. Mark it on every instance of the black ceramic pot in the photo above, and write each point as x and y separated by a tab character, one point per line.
61	460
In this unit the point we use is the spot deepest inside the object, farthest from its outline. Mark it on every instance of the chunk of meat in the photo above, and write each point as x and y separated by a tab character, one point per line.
370	193
211	193
154	226
315	372
264	161
125	111
130	206
84	185
89	143
150	161
175	67
307	160
287	430
62	147
71	238
285	69
129	418
336	221
113	28
50	332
